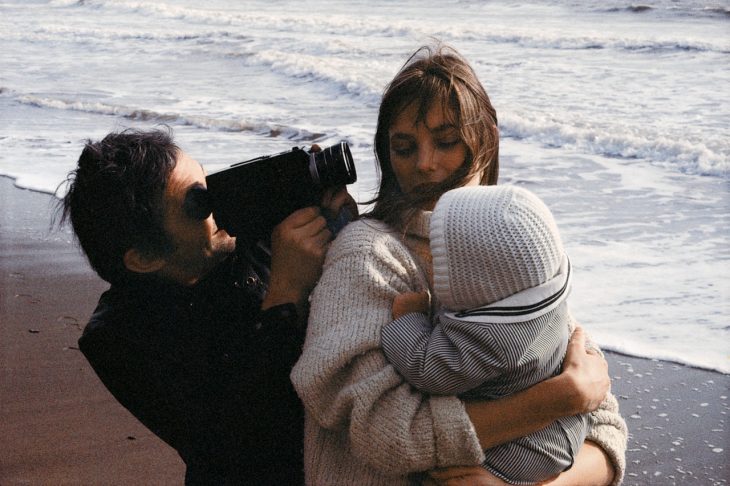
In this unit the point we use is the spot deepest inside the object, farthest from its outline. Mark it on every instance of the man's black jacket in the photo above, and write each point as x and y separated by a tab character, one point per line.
206	371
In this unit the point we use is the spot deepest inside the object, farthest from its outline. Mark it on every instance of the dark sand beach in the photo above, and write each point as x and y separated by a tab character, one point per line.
59	425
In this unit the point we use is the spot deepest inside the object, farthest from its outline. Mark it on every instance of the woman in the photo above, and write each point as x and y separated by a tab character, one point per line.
364	424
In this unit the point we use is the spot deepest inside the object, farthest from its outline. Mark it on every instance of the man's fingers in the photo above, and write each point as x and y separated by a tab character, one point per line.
336	198
323	236
302	217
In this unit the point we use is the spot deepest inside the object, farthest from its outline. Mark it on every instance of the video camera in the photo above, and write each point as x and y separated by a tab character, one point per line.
250	198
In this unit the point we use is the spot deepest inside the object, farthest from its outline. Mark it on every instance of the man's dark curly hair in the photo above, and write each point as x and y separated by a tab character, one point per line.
114	198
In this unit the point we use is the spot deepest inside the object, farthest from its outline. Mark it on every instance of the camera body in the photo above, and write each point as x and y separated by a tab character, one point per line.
250	198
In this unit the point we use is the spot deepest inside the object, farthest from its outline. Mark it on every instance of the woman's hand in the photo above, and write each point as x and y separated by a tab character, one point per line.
585	375
462	476
408	302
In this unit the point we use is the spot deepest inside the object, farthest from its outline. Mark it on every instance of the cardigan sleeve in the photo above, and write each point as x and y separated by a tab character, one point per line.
343	377
609	429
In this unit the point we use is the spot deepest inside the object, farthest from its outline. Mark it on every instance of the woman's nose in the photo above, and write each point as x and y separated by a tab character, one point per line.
426	159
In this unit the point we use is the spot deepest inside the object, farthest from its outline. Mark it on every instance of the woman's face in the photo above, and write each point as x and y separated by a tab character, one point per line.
426	151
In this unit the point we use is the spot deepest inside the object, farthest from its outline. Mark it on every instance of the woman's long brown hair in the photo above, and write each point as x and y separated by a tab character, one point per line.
435	75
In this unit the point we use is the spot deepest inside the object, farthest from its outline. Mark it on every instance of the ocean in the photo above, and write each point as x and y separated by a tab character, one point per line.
616	113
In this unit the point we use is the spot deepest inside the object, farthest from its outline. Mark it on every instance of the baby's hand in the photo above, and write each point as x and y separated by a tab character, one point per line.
411	302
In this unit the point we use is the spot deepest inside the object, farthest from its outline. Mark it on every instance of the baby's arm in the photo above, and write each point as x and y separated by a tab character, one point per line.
438	358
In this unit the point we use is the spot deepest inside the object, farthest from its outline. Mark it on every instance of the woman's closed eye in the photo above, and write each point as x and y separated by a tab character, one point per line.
448	143
403	149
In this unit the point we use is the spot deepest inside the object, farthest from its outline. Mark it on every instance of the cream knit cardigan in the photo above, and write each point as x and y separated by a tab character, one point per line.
364	424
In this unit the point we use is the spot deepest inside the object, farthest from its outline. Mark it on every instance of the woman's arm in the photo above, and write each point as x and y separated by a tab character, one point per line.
592	467
602	460
580	388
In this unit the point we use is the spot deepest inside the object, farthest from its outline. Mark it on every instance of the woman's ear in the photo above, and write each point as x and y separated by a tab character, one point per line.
137	261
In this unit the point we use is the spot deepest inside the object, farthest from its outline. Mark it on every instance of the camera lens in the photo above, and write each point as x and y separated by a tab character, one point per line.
333	166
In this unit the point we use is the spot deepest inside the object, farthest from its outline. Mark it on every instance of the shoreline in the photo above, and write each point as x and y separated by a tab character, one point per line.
680	362
60	425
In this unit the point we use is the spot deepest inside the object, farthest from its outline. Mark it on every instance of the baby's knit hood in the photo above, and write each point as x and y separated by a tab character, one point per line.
490	242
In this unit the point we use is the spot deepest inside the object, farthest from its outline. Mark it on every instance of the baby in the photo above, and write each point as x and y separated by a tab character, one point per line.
502	277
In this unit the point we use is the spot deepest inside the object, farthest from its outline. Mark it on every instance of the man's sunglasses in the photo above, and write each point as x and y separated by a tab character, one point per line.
197	204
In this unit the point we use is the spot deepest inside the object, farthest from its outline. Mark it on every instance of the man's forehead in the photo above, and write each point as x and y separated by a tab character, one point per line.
187	173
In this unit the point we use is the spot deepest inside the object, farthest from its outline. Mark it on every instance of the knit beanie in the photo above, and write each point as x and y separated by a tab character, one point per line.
490	242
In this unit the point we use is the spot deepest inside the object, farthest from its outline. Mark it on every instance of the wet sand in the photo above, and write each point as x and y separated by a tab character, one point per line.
59	425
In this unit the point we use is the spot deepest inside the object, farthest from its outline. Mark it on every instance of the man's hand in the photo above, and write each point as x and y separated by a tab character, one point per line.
408	302
298	247
337	199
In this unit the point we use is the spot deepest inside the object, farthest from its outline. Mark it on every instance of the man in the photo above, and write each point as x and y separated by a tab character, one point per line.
195	338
